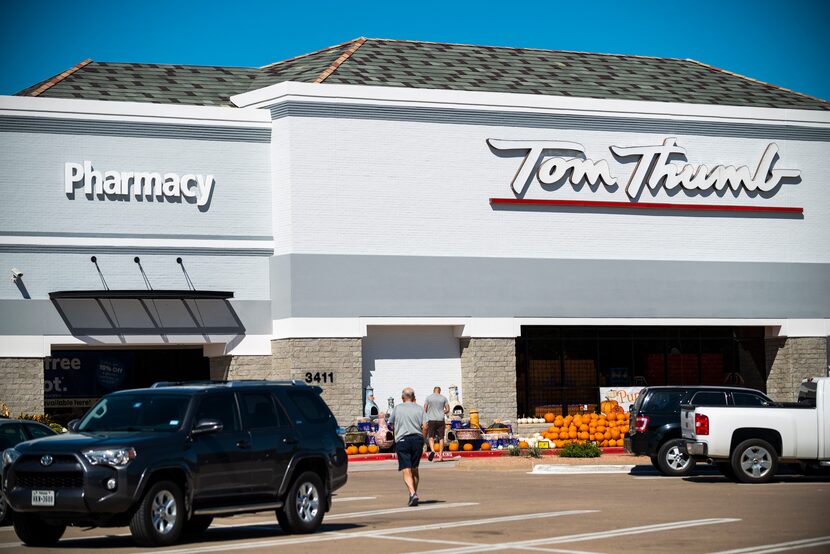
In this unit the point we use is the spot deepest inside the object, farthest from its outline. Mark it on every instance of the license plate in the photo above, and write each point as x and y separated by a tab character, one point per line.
43	498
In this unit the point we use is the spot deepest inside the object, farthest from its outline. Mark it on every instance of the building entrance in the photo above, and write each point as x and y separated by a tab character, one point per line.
560	369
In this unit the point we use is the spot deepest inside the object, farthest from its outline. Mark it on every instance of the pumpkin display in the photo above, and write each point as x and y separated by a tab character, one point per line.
453	447
373	449
605	429
468	447
485	446
363	449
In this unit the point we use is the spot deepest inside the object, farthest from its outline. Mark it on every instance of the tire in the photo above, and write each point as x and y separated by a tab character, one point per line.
654	462
726	470
33	531
5	512
159	518
754	461
673	460
197	525
305	505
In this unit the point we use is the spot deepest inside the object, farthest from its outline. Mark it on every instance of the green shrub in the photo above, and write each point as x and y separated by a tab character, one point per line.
576	450
534	452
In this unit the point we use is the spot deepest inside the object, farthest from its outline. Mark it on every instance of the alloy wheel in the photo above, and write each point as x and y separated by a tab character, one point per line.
163	512
756	461
308	502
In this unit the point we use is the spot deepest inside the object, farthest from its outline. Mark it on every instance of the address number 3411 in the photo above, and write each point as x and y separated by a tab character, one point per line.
319	377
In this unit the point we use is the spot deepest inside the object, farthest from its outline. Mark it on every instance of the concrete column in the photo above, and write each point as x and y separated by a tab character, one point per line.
791	359
488	377
340	358
21	385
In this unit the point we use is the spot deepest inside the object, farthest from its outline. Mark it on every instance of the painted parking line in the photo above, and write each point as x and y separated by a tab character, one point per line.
339	535
399	538
779	547
555	469
586	536
402	509
352	498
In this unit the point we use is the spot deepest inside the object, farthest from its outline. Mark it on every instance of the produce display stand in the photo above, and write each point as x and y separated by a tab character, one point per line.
386	456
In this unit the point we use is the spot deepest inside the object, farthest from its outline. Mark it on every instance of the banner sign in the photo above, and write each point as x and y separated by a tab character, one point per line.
625	396
79	378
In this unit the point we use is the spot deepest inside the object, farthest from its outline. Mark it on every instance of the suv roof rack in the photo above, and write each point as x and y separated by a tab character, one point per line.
227	383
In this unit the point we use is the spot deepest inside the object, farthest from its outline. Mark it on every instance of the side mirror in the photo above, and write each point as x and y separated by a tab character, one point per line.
206	426
73	425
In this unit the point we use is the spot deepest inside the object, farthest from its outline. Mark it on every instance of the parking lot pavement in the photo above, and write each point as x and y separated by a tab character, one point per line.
516	511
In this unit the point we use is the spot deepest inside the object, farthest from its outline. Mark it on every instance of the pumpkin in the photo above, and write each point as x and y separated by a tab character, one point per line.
468	447
351	449
453	447
485	446
363	449
523	444
436	447
607	406
549	417
373	449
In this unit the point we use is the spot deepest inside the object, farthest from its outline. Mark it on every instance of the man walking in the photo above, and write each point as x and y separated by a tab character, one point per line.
436	407
410	424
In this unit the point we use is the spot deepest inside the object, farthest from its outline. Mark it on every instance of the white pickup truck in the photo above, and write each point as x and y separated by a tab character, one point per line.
747	443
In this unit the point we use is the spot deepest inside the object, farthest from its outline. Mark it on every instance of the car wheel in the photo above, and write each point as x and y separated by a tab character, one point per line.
159	518
5	512
33	531
197	525
305	505
754	461
726	469
673	460
654	462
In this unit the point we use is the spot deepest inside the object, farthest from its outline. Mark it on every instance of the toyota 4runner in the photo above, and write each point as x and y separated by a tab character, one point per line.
168	459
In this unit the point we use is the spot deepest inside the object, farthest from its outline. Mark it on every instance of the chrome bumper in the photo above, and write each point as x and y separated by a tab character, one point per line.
695	448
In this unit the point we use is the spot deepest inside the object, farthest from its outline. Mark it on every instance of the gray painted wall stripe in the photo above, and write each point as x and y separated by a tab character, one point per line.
461	116
196	251
131	235
304	285
21	124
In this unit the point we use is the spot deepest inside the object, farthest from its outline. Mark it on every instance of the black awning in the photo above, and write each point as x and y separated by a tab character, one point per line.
143	294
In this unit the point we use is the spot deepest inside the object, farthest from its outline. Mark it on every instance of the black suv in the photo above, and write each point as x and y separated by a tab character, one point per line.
654	428
167	459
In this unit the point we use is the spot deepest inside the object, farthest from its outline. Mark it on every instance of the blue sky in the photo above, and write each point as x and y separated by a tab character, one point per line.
784	43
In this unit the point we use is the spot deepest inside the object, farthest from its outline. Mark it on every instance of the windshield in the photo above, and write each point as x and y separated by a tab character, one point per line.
136	412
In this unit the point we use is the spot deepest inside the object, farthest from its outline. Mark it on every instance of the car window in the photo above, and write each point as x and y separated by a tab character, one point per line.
11	434
748	399
709	398
220	407
259	410
38	431
310	405
135	412
664	401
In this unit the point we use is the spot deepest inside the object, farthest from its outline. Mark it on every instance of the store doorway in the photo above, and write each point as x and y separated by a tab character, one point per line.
75	379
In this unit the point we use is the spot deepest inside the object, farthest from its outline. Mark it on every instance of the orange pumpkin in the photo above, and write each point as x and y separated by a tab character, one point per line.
373	449
363	449
351	449
468	447
485	446
453	447
549	417
523	444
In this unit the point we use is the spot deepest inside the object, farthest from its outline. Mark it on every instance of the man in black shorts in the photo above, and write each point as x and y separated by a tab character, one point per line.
410	424
436	406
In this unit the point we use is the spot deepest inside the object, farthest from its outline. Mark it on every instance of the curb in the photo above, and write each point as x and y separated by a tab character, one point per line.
386	456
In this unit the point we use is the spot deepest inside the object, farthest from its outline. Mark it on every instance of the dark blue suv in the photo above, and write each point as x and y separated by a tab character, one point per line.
168	459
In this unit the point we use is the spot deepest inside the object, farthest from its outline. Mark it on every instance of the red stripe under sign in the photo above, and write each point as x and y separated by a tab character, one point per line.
645	205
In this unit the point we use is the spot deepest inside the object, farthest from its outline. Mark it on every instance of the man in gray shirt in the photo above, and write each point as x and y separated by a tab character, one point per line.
410	421
436	406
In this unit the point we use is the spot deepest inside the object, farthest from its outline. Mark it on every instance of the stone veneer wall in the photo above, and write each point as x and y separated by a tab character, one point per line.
242	367
21	384
488	378
791	359
293	358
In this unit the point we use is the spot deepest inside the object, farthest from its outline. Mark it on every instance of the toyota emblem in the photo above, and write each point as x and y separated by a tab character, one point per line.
46	460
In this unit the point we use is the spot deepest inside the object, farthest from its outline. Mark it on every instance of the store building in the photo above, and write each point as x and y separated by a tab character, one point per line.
528	225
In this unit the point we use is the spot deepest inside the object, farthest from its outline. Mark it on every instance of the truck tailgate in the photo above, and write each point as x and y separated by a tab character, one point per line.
687	421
